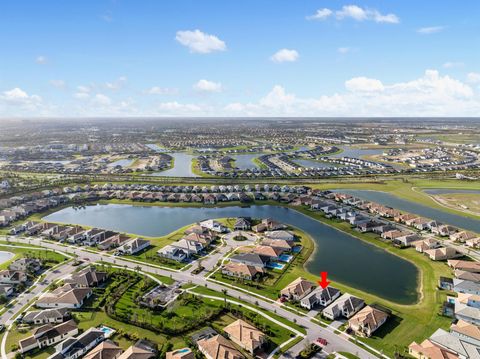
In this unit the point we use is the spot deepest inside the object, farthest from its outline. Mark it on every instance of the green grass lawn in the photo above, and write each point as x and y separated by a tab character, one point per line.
46	255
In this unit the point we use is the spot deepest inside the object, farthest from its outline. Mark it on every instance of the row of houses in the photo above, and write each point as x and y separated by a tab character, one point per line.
101	238
197	240
363	319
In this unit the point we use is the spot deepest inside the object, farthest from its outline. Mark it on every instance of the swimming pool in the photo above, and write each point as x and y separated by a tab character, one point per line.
107	331
275	265
297	249
285	258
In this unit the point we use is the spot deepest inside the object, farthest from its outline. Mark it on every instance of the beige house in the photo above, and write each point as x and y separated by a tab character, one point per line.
105	350
64	297
428	350
367	321
441	254
135	352
241	270
245	335
473	267
298	289
218	347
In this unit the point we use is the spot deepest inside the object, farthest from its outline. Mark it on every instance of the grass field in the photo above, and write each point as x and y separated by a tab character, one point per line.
38	252
466	202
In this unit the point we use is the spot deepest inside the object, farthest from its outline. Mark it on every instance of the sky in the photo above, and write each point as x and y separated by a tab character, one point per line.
129	58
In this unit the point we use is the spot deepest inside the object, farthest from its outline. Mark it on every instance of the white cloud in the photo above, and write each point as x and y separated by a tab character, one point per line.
200	42
320	14
430	30
357	13
453	64
41	60
102	100
157	90
175	108
59	84
363	84
343	50
208	86
117	84
285	55
473	77
17	102
18	96
84	89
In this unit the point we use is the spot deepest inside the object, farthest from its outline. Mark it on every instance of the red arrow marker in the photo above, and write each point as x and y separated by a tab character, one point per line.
324	282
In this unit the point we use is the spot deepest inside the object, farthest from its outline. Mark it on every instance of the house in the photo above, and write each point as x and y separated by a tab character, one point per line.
214	226
46	316
298	289
473	267
464	275
367	321
48	335
467	308
6	289
251	259
347	305
30	265
242	224
429	350
87	277
64	297
464	329
466	286
12	277
281	234
462	347
462	236
105	350
441	254
243	271
190	247
426	244
173	253
445	283
278	243
204	239
218	347
267	251
114	241
245	335
73	348
272	225
407	240
320	297
136	352
184	353
473	242
134	246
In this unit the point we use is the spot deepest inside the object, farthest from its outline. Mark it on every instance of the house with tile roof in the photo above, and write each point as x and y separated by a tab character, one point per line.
218	347
367	321
298	289
241	270
320	297
245	335
66	296
48	335
347	305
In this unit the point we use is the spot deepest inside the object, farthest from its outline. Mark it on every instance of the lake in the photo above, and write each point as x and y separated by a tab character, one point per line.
357	152
5	256
244	162
390	200
182	166
347	259
126	162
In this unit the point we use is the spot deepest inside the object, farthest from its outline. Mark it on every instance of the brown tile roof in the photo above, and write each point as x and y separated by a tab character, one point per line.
105	350
467	329
298	287
246	334
431	351
135	352
368	317
218	347
242	269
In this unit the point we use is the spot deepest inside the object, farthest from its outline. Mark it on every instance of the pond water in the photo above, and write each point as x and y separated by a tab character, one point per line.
388	199
346	258
5	256
182	166
357	152
244	162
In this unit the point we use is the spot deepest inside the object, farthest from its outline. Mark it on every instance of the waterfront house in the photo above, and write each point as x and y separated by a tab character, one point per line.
271	252
468	266
426	244
48	335
242	224
134	246
464	275
282	234
320	297
462	236
367	321
441	254
466	286
245	335
297	289
347	305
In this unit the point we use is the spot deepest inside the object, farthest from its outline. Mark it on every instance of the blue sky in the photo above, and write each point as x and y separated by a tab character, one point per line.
237	58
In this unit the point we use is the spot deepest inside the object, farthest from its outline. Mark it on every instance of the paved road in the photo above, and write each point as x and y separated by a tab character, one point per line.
335	342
